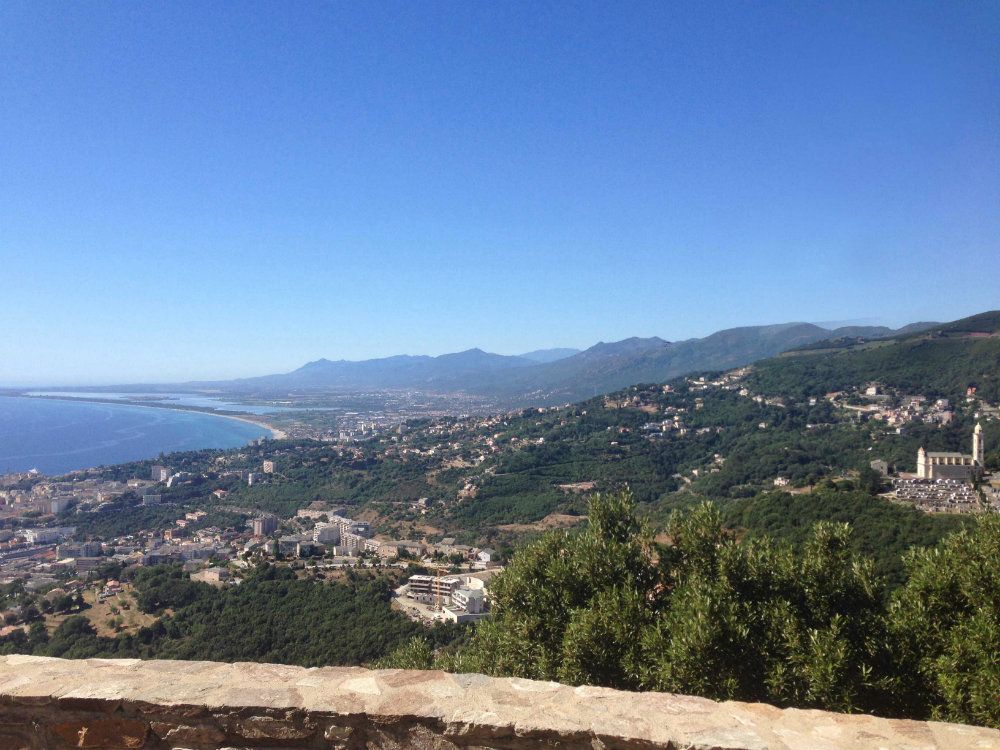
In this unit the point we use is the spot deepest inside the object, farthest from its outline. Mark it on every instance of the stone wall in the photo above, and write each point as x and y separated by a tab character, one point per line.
116	704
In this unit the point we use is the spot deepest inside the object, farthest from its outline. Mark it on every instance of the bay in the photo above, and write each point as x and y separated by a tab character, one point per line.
60	436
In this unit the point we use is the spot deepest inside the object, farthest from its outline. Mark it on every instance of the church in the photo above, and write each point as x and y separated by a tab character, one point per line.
940	465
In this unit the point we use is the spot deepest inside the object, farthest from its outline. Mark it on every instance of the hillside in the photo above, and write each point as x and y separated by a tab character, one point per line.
608	367
490	479
723	436
940	362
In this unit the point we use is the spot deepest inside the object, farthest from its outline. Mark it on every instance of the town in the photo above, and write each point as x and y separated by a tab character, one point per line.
407	495
48	557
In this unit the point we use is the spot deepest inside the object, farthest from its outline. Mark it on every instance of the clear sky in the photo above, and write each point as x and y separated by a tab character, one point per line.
200	190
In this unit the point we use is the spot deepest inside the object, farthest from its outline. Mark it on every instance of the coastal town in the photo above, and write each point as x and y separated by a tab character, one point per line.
317	538
213	516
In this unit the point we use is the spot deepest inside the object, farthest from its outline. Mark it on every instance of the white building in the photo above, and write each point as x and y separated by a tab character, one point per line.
469	600
326	533
432	589
49	535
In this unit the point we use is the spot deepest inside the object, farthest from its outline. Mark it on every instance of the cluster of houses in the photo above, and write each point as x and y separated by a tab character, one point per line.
50	553
873	401
29	491
895	411
344	537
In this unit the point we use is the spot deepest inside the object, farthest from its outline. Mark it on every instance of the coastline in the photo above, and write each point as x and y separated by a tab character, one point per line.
276	433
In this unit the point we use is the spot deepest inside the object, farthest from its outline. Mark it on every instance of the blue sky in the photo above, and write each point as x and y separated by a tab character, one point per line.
223	189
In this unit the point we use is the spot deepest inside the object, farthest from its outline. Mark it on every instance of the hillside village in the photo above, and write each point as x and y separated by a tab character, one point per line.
443	501
202	513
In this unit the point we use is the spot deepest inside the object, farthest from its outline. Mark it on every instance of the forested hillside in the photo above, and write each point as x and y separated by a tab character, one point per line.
272	616
941	363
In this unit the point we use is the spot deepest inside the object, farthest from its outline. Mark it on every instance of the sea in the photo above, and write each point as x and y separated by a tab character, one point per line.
56	436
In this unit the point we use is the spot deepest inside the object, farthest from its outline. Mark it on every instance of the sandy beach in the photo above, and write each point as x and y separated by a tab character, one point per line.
276	433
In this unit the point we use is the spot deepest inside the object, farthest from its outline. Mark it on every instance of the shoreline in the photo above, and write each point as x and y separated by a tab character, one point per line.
276	433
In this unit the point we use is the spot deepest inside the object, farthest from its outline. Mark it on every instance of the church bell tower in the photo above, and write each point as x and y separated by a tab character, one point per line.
978	451
923	471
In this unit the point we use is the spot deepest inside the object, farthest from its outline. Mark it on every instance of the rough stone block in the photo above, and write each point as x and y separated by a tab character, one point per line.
103	734
269	728
204	734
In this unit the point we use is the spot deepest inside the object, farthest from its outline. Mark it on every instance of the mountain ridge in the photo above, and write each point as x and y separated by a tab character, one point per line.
551	376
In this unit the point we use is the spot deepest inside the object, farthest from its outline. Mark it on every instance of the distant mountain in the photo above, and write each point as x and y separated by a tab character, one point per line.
445	372
549	355
983	323
560	375
851	336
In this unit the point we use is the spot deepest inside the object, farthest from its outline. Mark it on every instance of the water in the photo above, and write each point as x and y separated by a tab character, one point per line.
174	399
59	436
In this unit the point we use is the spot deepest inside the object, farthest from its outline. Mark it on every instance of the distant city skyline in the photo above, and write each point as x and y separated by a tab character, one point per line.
208	192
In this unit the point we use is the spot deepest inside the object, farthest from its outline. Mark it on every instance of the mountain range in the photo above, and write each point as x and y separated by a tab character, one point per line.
560	375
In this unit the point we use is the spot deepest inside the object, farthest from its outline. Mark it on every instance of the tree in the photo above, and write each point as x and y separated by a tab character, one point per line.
555	607
30	613
707	614
416	653
870	480
38	636
756	621
946	622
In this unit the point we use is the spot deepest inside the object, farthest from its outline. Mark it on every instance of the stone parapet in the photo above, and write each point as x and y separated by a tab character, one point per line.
108	704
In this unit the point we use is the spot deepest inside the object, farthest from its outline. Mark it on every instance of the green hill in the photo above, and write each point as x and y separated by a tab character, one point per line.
941	363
